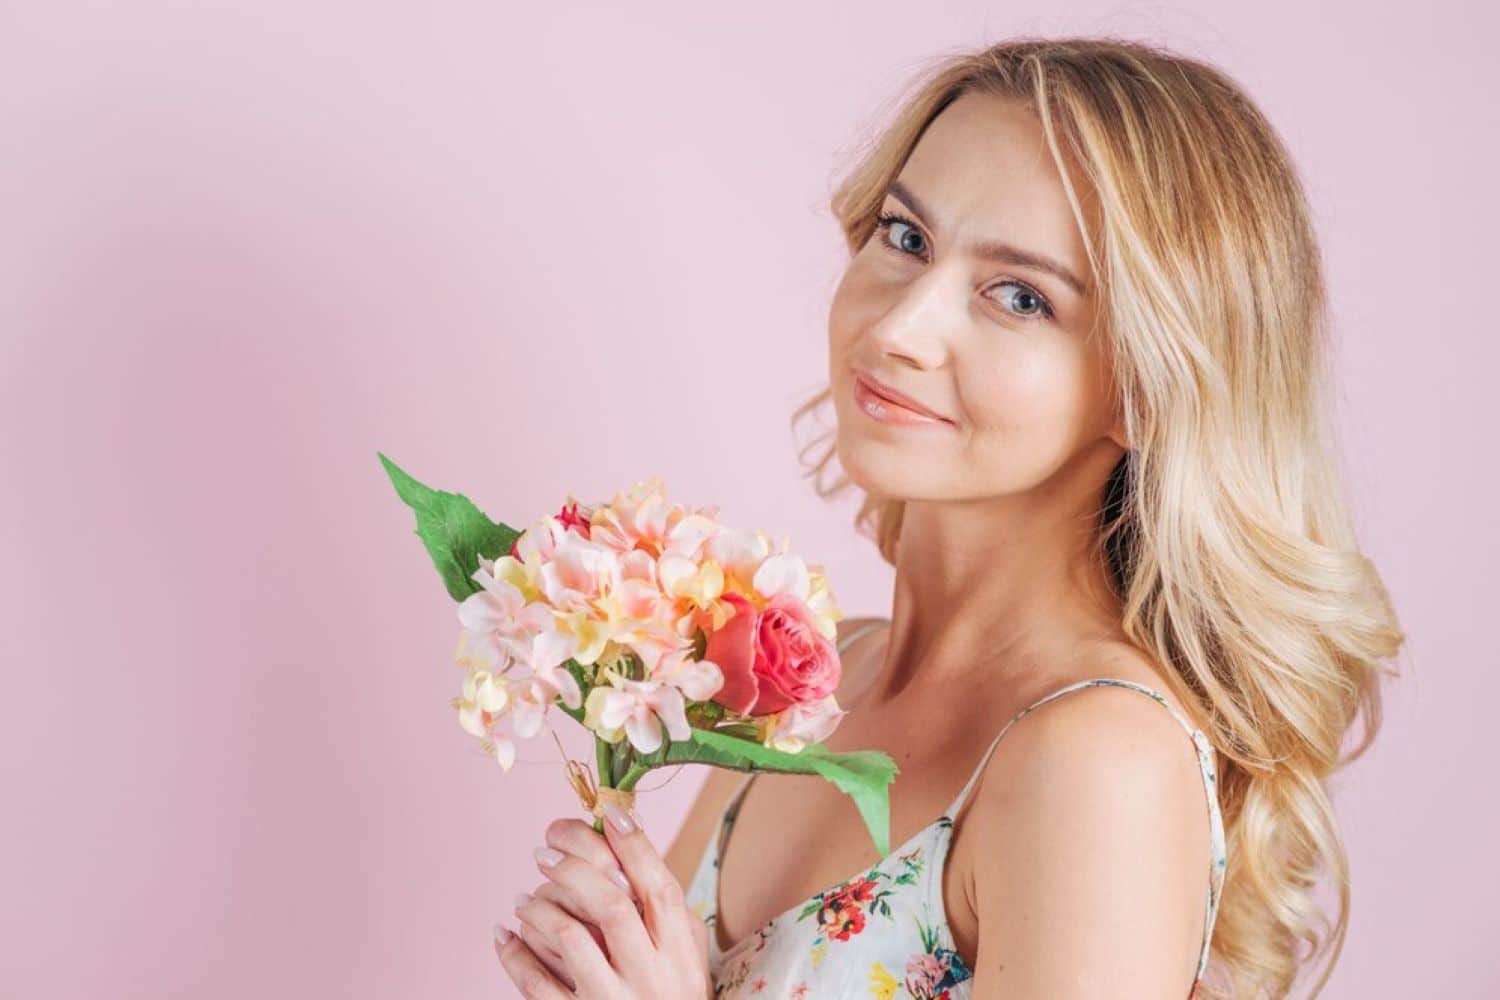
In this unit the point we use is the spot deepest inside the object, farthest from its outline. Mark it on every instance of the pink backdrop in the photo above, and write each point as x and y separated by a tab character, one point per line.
245	246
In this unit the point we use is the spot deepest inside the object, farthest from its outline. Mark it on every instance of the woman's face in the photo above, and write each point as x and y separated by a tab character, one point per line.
955	304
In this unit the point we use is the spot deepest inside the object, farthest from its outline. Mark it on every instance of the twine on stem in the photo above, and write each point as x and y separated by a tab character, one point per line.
590	795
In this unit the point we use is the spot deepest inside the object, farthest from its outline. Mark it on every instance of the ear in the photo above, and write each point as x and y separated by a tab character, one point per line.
1117	433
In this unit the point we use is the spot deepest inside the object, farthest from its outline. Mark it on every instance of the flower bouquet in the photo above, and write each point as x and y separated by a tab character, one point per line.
675	639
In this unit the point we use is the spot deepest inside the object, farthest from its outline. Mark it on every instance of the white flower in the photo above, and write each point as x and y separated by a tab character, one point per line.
784	574
499	623
739	552
592	707
480	709
641	708
536	694
697	679
801	723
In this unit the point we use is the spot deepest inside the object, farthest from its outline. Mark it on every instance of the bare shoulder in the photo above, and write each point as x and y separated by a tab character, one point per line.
1094	819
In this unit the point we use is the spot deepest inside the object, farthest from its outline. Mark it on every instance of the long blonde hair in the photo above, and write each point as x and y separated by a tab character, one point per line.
1223	527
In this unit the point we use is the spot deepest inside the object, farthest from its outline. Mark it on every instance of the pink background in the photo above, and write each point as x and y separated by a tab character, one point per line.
245	246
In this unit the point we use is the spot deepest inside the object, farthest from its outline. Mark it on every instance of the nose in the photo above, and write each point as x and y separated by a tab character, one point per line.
916	326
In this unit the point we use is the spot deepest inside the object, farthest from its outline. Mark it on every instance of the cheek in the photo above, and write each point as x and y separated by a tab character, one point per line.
1032	392
852	307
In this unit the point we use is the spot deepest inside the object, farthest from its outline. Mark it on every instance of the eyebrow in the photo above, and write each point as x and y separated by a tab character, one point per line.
993	250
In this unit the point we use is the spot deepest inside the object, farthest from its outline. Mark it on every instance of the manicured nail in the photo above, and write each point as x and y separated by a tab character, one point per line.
620	880
548	856
502	935
617	818
522	898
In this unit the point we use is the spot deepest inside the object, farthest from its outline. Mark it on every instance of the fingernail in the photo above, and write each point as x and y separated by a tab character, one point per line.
522	898
617	818
620	879
548	856
502	935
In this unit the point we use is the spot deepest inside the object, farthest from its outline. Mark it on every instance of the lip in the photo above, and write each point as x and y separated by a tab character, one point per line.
879	388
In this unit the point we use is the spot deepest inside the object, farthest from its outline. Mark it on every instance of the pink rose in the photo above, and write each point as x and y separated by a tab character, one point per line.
772	659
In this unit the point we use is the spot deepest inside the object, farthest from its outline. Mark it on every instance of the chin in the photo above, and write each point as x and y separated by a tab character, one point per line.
881	467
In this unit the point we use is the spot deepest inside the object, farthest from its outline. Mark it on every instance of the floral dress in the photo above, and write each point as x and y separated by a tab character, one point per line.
883	931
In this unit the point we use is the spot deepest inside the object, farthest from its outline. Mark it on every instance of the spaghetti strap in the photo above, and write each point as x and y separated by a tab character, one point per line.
854	636
1152	693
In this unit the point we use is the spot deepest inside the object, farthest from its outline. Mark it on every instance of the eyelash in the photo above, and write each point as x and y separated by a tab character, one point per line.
883	223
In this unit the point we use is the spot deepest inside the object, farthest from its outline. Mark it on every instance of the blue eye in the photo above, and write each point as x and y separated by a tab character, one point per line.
886	222
1026	292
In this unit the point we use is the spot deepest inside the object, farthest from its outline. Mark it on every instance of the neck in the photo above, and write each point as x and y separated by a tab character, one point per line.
1002	589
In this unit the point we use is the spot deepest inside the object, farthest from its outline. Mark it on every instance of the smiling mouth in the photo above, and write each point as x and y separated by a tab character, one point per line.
885	410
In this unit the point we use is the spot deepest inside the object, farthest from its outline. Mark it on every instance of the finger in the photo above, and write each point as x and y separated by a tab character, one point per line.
609	908
574	836
591	971
551	890
554	962
668	919
548	856
525	969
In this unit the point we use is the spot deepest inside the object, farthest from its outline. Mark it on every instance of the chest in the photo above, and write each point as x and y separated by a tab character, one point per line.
793	837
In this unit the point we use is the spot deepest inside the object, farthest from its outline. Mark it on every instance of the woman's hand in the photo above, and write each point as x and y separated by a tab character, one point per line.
583	843
583	931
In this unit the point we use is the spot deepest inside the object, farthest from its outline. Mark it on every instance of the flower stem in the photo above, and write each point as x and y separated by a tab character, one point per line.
636	773
604	765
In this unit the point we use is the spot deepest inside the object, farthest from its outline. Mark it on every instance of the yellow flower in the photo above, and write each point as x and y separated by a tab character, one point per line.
593	707
525	577
822	604
818	953
882	983
592	628
485	698
698	583
486	690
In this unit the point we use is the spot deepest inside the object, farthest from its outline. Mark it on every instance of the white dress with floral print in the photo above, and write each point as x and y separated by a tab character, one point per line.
883	932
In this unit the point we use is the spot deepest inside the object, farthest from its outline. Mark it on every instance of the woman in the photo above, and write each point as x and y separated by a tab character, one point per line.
1076	362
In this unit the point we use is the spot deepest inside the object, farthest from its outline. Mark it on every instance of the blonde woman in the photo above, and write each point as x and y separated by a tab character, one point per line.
1077	366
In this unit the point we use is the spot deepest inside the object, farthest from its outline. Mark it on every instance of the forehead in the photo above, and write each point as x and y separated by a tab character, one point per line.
983	168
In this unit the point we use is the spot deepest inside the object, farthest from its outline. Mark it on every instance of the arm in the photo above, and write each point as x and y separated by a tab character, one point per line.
1095	839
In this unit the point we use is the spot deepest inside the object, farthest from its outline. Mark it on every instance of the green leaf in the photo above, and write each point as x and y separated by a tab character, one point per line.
455	532
863	775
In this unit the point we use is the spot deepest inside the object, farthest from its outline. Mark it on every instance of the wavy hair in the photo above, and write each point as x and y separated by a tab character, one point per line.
1222	528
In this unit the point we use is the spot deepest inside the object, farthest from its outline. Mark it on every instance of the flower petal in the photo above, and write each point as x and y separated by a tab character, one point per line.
491	694
473	722
526	717
481	611
476	649
644	731
783	574
700	680
616	707
667	701
567	686
505	752
551	647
